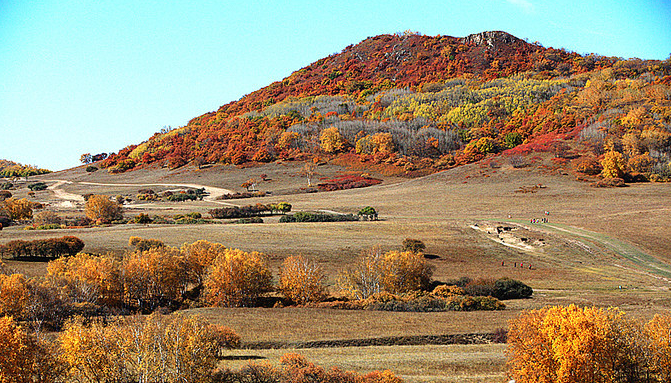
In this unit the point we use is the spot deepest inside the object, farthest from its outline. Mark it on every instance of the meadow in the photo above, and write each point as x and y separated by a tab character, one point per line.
603	247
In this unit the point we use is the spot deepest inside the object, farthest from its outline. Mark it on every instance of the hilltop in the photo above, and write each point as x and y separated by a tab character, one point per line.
15	169
418	104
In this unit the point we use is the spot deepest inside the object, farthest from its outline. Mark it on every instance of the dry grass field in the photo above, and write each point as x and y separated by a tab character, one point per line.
606	247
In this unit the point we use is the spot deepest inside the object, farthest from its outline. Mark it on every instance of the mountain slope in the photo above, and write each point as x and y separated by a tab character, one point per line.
433	102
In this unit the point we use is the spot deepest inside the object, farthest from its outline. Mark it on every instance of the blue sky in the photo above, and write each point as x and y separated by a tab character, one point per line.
95	76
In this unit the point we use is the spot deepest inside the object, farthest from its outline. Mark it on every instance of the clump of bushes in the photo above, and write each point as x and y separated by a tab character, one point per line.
502	288
246	211
42	248
142	244
303	216
91	169
37	186
421	301
249	220
238	195
347	182
414	245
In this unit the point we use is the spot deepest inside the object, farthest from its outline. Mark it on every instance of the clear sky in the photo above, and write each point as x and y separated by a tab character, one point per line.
95	76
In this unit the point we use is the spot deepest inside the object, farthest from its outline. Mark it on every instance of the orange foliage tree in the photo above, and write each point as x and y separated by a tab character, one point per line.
332	141
301	280
152	349
23	357
153	278
14	295
101	209
237	278
574	344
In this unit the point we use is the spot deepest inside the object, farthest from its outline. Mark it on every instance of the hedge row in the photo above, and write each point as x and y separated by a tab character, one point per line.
303	216
42	248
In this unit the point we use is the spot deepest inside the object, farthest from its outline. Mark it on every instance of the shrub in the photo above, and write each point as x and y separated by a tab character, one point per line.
181	197
46	217
506	288
141	244
413	245
248	220
6	185
87	278
143	219
347	182
368	213
154	278
301	280
91	169
17	209
242	195
573	344
37	186
152	349
239	212
42	248
25	356
4	194
481	287
589	166
303	216
236	278
101	209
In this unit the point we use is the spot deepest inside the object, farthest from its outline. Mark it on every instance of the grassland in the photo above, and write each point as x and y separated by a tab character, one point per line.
606	247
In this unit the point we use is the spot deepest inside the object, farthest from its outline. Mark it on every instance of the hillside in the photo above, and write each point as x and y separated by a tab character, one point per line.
418	104
15	169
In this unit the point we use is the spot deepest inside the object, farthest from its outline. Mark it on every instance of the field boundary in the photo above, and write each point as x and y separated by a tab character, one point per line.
413	340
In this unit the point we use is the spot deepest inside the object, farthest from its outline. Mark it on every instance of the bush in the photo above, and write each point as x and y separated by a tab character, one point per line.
506	288
347	182
301	280
4	194
143	219
318	217
42	248
91	169
413	245
239	212
6	185
101	209
242	195
141	244
46	217
237	278
37	186
181	197
248	220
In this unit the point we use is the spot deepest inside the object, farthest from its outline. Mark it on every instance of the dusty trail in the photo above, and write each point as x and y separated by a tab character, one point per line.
213	192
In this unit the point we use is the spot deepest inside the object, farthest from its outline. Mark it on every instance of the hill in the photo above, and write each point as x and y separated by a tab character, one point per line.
421	104
14	169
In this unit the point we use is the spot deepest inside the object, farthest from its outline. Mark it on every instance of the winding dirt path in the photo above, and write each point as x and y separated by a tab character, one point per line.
213	192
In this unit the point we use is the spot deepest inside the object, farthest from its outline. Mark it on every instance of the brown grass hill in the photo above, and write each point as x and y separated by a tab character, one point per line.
414	101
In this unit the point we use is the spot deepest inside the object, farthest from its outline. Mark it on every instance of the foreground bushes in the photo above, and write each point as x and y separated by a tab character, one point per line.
295	368
573	344
42	248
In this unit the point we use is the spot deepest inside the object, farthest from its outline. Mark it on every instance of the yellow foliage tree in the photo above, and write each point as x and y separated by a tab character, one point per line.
23	357
14	295
17	208
393	272
613	164
405	271
573	344
157	348
101	209
332	141
658	331
88	278
154	277
237	278
198	256
301	280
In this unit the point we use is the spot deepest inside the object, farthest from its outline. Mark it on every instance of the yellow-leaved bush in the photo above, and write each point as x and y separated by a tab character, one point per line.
571	344
302	280
237	278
